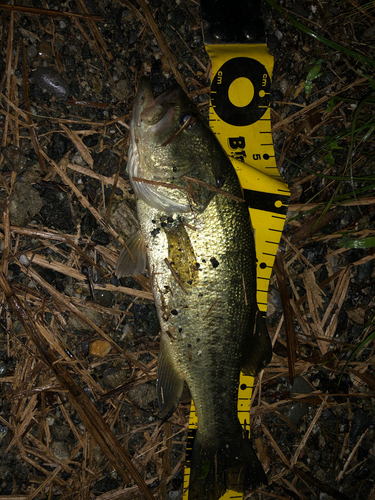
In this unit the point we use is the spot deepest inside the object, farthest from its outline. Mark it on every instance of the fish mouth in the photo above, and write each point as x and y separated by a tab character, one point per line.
156	115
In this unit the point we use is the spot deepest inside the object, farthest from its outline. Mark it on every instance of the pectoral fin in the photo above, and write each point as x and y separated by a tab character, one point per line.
259	352
133	257
169	383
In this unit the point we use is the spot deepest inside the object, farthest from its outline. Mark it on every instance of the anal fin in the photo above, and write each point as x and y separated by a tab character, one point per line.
259	352
169	382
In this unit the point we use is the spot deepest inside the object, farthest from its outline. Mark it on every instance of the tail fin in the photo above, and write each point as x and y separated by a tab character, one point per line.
217	466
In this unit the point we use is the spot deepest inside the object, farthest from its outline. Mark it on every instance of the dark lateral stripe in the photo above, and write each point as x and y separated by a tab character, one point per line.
266	201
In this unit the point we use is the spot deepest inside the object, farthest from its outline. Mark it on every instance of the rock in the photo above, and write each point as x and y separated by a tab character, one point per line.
100	348
24	203
60	432
51	81
60	450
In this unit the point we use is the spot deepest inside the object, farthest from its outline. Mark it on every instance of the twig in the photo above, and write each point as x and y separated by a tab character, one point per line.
174	274
213	188
308	432
158	183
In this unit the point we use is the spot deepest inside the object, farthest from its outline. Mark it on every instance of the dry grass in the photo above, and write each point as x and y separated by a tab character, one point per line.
55	381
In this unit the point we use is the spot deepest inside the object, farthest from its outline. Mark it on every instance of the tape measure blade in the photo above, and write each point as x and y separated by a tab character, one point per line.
240	103
253	178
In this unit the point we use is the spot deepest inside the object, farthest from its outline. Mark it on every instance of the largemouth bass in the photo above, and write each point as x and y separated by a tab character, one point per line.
199	242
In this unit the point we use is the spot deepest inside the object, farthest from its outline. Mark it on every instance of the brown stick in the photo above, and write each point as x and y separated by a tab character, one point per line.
213	188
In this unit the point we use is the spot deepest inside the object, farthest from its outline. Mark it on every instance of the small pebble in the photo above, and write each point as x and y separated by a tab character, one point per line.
60	432
25	33
77	159
51	81
60	450
175	495
3	432
31	51
284	85
296	411
24	203
142	395
100	348
14	159
95	316
113	379
122	89
45	51
103	298
24	260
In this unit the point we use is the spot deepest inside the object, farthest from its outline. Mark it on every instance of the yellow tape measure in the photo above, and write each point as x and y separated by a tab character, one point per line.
240	95
240	118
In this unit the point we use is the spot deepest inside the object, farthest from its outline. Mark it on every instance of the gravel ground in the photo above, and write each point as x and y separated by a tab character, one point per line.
67	92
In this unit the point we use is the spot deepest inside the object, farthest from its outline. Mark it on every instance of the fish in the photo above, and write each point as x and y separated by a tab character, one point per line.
197	241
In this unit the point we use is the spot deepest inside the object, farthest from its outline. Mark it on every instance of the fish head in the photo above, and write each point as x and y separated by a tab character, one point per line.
173	153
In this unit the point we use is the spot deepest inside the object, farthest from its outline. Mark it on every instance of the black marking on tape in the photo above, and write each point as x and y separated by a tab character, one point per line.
266	201
241	67
189	445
